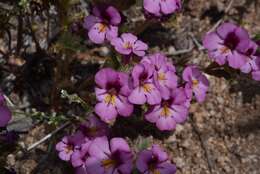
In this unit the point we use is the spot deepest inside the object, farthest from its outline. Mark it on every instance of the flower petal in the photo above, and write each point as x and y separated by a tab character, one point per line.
142	161
94	166
107	112
152	6
137	96
119	144
5	115
166	123
95	35
99	148
123	107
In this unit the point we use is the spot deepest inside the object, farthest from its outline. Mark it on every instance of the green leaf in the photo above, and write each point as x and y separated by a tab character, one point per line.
70	42
257	37
135	171
74	98
143	144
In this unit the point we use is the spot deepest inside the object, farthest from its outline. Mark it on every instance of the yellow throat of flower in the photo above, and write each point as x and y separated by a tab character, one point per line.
165	111
156	172
108	163
110	99
195	82
69	149
161	76
128	45
147	88
102	28
224	50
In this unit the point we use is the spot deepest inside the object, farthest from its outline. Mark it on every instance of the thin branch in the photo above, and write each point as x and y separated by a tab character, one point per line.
48	136
196	42
184	51
9	101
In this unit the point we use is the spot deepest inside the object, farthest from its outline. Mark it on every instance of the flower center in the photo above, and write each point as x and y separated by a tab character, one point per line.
231	41
110	99
102	28
93	130
161	76
224	50
195	82
128	45
113	88
69	149
147	88
153	165
249	52
165	111
108	163
156	172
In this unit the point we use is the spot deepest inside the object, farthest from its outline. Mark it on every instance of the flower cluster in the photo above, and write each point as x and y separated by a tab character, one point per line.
101	155
231	44
5	113
152	82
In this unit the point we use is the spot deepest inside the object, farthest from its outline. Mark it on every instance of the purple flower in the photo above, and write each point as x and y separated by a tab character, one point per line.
226	44
5	113
129	44
155	161
165	78
196	82
161	7
69	144
144	89
169	112
109	157
79	157
253	60
112	91
250	51
94	127
103	24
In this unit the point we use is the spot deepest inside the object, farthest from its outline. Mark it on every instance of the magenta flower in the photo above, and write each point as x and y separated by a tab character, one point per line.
103	24
79	157
69	144
94	127
253	60
226	44
154	161
109	157
129	44
112	91
169	112
161	7
144	89
196	82
5	113
165	78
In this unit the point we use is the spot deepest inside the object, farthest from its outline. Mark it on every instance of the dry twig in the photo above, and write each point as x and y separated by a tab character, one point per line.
48	136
